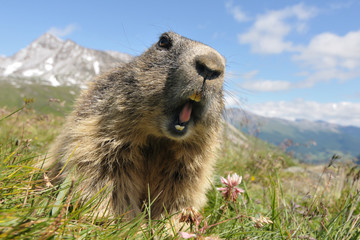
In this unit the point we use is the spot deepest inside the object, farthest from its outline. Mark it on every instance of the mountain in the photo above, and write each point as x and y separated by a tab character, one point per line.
56	62
308	141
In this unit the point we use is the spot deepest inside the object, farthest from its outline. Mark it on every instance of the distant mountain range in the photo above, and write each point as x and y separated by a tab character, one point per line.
57	62
308	141
64	66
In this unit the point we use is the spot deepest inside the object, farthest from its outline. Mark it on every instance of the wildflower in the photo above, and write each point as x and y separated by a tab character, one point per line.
190	215
230	191
47	181
261	221
186	235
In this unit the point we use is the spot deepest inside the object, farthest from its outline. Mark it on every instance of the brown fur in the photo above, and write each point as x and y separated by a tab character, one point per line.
121	133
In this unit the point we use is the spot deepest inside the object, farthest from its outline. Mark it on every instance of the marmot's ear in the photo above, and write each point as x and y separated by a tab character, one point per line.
165	41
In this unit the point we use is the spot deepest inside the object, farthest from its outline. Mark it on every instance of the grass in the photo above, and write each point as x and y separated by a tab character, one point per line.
282	199
48	99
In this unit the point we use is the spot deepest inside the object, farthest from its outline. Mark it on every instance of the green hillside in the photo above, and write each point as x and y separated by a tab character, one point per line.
311	142
47	99
313	145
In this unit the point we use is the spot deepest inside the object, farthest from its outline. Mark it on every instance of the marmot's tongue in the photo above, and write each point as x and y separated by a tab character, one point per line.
185	113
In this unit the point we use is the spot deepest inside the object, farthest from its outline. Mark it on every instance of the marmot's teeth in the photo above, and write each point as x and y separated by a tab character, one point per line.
196	96
179	128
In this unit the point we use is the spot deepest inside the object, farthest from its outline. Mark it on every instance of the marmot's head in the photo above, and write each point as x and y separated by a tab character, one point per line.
191	97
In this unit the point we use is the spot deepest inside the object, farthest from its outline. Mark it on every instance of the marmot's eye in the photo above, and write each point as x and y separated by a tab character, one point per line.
164	42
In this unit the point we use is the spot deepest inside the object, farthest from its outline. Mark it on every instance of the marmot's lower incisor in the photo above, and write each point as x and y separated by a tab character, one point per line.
151	126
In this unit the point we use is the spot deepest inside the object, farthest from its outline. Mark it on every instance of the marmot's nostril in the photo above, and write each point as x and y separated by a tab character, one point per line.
209	66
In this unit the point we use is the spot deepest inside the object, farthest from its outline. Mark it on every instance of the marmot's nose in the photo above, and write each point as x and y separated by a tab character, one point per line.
210	66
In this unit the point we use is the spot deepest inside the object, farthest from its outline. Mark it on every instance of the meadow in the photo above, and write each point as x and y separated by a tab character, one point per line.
259	192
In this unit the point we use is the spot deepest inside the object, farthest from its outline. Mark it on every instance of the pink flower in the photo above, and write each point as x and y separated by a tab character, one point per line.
186	235
230	191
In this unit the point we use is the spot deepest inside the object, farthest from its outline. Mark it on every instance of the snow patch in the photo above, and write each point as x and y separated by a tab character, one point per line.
71	80
49	64
50	61
96	66
32	72
12	68
48	67
53	81
83	86
88	58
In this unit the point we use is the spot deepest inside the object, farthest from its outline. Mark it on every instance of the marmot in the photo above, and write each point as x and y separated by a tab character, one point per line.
151	126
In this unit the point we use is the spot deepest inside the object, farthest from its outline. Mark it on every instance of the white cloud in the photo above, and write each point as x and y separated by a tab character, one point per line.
329	56
236	11
253	84
62	32
328	50
343	113
230	75
326	57
231	100
341	5
250	75
326	76
267	35
266	85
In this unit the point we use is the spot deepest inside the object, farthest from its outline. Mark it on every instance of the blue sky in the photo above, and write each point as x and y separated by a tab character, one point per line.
289	59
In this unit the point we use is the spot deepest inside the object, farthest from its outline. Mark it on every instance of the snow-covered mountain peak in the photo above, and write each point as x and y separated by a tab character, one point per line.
47	40
57	62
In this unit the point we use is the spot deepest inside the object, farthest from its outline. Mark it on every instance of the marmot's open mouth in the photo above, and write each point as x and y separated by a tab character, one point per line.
185	113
